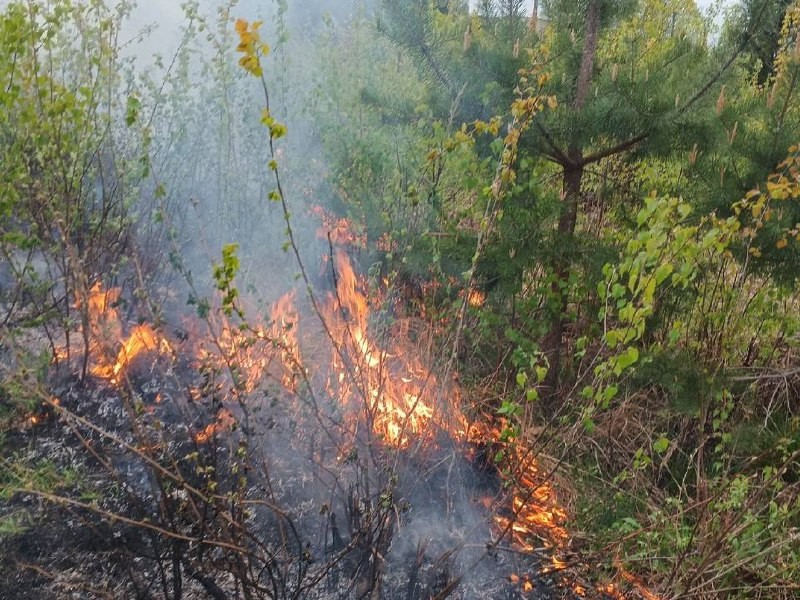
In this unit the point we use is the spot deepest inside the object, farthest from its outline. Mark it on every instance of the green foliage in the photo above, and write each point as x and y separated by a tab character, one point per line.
74	155
224	274
603	210
668	303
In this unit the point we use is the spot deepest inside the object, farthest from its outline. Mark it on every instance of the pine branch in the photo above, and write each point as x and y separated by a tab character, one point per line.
557	155
726	65
622	147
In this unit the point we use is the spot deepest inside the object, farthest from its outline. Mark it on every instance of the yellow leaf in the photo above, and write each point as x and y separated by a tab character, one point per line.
241	26
781	244
552	102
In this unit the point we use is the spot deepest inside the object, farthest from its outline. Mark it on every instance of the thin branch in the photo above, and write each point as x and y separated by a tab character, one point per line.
622	147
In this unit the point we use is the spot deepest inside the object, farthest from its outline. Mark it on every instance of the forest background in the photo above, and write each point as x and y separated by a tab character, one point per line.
590	214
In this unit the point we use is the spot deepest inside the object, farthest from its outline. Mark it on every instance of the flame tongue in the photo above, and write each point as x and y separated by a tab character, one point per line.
284	332
402	405
142	339
111	351
105	327
395	390
385	384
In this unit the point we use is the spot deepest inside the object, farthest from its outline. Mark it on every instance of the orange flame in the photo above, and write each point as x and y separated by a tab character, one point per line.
476	298
536	513
284	332
224	420
257	350
339	231
142	339
105	335
105	327
384	383
395	389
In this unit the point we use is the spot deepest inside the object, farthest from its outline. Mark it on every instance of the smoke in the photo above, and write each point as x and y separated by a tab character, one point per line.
420	509
410	515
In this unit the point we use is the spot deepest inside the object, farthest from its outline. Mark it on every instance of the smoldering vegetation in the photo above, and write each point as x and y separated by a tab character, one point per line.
409	300
224	406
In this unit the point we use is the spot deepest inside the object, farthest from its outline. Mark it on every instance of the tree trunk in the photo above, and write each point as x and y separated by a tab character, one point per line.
553	341
587	58
572	181
534	22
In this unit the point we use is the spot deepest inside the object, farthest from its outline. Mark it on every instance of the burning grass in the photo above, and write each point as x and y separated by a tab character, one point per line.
385	402
110	350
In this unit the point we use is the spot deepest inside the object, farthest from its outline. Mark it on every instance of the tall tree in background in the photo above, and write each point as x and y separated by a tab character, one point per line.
632	78
764	18
622	74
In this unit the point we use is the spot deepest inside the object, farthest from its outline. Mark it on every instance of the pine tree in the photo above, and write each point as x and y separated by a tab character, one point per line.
633	78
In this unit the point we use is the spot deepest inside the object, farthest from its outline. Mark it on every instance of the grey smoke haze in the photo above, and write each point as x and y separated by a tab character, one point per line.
166	17
222	158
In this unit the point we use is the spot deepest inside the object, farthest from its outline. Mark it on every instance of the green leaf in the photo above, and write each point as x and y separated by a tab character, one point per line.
132	110
609	394
588	424
626	359
509	409
612	338
522	378
663	272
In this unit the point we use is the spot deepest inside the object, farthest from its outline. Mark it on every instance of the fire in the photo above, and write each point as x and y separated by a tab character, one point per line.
224	420
141	340
395	389
235	349
558	564
632	579
476	298
111	352
60	355
535	510
284	331
104	324
339	231
525	583
401	405
398	394
379	382
257	350
36	418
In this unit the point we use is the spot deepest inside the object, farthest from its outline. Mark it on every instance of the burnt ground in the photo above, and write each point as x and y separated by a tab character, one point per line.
327	521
